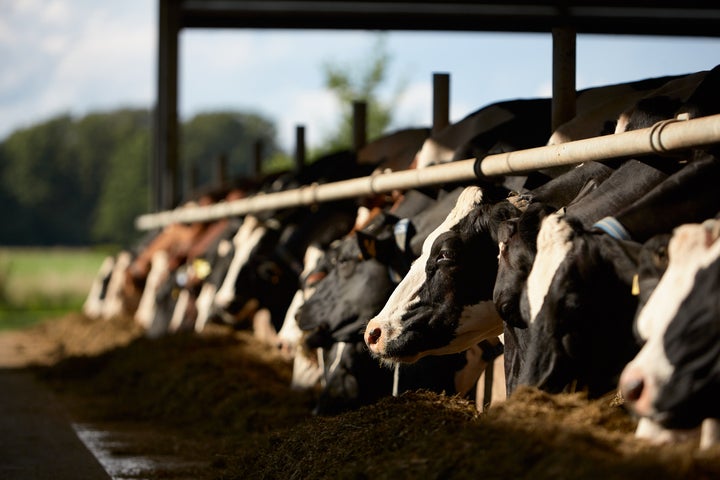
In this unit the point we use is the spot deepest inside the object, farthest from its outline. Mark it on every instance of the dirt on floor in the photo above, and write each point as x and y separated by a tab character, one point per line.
221	403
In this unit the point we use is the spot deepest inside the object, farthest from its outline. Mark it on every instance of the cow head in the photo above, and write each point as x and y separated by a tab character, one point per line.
580	308
516	236
353	290
675	378
352	378
246	241
443	304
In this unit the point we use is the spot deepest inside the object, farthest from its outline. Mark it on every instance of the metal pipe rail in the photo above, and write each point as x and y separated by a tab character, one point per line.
661	138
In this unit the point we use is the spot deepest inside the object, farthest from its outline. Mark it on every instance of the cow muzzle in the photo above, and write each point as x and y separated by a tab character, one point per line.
375	337
638	391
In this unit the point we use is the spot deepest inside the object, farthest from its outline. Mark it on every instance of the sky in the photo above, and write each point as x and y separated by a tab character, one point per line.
81	56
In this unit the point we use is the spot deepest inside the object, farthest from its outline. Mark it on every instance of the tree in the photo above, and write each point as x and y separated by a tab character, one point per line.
125	193
360	81
54	173
79	181
208	136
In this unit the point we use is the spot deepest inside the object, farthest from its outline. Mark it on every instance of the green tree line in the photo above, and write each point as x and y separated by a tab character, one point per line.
83	181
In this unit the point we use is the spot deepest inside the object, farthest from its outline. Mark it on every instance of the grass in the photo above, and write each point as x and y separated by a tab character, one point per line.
42	283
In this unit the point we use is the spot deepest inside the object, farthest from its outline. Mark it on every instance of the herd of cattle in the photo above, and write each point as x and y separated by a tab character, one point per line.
599	277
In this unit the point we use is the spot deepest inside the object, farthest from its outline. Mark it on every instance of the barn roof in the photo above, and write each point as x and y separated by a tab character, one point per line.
638	17
656	17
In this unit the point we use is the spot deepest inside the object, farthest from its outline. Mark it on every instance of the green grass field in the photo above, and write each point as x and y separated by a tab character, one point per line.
42	283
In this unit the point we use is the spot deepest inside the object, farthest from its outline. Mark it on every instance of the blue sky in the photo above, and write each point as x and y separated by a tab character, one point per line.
77	56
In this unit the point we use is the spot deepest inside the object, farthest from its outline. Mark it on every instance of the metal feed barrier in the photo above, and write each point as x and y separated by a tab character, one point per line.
663	137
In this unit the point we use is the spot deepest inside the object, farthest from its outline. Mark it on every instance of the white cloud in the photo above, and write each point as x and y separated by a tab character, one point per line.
79	55
544	89
74	57
316	110
414	106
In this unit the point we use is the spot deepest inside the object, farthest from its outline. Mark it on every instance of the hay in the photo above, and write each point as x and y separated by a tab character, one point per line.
221	400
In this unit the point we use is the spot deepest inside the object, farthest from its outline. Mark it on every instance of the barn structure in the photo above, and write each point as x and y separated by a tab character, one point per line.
564	19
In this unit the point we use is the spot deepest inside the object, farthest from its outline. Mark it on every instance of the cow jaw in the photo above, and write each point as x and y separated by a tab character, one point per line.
387	325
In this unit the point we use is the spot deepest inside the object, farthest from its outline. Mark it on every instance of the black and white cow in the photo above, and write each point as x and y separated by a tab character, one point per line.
268	276
265	274
571	322
674	380
342	303
443	305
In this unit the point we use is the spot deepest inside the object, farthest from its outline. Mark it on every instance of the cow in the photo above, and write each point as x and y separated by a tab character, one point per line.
571	324
307	362
92	307
517	237
191	279
267	275
341	304
674	380
492	128
589	105
443	304
429	297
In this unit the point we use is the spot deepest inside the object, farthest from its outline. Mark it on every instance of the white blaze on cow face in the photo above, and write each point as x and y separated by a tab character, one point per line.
290	334
113	304
204	304
553	245
247	236
204	301
92	307
180	310
145	313
691	248
405	295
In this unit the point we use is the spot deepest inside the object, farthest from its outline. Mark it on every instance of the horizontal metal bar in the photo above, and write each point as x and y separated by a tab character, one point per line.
663	137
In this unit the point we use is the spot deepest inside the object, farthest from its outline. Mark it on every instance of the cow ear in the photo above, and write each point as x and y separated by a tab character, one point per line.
367	244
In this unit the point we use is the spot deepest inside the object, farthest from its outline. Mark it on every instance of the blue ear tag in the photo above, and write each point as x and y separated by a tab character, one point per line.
403	231
181	276
612	227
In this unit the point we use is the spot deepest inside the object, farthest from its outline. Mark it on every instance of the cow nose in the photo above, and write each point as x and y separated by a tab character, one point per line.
632	389
373	336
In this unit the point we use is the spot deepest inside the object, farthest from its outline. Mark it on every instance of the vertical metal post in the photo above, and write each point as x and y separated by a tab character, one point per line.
257	159
221	170
192	182
563	72
359	125
441	101
299	147
164	173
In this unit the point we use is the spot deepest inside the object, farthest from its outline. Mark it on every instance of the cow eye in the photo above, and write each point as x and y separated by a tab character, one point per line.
446	256
346	268
661	257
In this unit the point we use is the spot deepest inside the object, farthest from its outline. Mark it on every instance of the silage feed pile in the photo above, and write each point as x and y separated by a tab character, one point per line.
222	402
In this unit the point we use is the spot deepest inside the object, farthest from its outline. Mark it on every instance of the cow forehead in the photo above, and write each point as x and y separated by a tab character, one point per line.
466	203
242	255
553	245
405	293
245	229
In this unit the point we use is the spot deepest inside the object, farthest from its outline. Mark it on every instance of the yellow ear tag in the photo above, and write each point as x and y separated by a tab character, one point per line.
202	268
635	285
